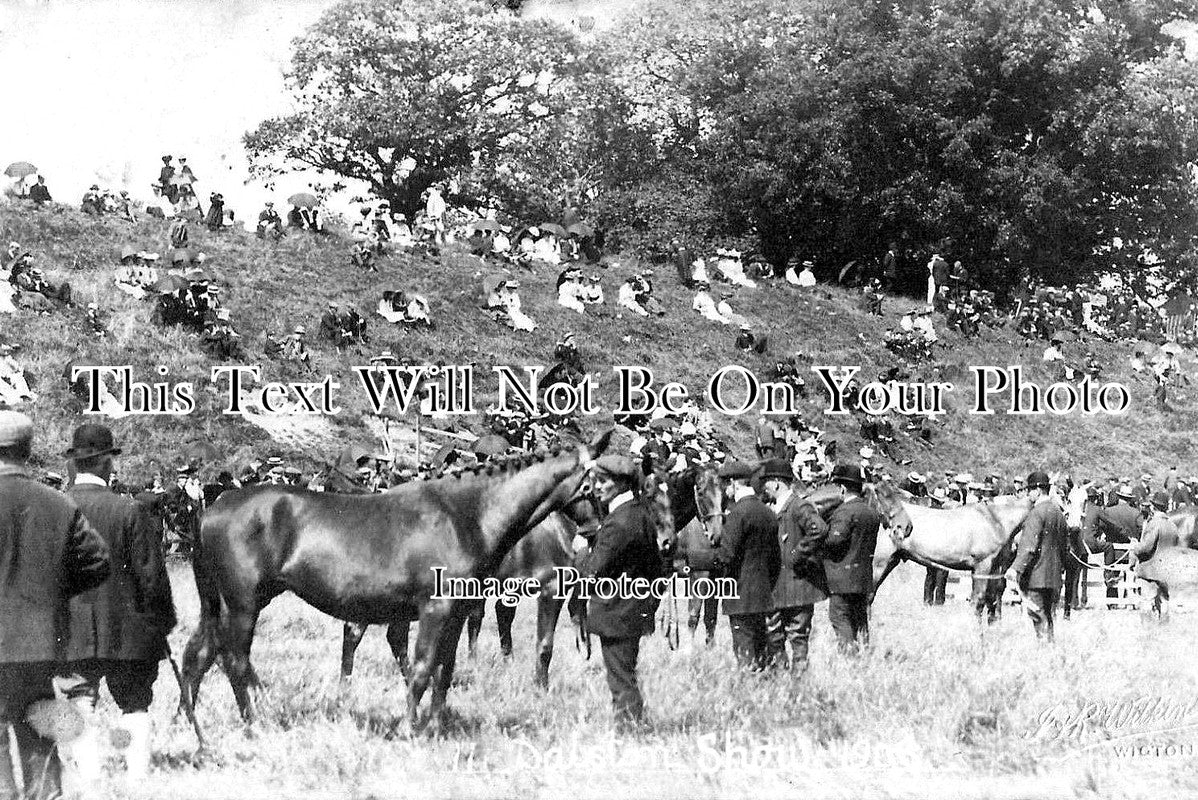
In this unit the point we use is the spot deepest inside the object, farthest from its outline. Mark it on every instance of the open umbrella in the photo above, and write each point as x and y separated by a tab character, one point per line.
446	455
552	227
1172	348
303	200
20	169
170	283
664	423
182	179
485	225
580	229
1064	336
491	445
201	451
352	454
493	281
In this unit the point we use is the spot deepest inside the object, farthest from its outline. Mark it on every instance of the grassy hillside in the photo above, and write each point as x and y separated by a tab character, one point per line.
273	287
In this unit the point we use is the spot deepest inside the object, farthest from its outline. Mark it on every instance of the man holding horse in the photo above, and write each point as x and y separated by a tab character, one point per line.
49	554
801	583
1117	524
625	544
848	558
748	552
118	632
1159	533
1040	558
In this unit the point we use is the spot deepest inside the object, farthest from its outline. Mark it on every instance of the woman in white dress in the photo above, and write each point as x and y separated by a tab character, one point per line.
705	305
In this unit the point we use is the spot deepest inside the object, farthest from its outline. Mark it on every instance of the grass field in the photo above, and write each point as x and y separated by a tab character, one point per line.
934	709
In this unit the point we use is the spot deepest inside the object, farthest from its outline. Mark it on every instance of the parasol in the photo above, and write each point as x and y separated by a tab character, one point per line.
303	200
554	228
491	445
20	169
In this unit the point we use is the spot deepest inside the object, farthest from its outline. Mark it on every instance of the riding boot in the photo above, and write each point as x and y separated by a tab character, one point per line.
137	751
81	758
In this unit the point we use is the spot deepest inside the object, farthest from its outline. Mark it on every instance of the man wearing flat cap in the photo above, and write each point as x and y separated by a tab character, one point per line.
118	632
1117	524
801	583
1159	533
48	554
1040	557
625	544
748	552
849	558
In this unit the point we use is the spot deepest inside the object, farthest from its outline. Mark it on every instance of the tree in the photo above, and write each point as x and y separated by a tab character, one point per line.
459	86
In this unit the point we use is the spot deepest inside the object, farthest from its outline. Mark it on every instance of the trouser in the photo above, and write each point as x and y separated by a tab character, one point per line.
1041	606
619	657
20	685
750	642
933	586
1110	577
1075	583
849	615
131	683
791	624
707	610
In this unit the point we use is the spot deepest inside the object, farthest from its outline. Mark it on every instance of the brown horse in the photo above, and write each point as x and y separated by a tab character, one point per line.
548	546
367	558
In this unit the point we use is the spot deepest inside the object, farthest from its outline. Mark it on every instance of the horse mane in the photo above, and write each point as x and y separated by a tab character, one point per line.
494	468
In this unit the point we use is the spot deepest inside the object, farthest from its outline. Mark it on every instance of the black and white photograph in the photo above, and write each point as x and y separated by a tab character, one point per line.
444	399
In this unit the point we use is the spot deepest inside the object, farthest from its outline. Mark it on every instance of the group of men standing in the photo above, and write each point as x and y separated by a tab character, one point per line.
84	596
786	553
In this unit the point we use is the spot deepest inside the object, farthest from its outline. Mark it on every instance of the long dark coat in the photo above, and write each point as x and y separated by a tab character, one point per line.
625	544
748	552
849	548
1043	545
801	535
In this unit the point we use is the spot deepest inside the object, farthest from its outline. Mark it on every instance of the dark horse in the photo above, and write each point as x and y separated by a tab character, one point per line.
548	546
367	558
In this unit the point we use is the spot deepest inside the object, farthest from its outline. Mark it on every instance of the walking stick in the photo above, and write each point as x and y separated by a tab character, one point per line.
185	700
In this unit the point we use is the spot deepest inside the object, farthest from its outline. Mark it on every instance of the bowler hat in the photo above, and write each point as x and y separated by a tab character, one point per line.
1037	480
777	468
1161	500
15	428
848	474
91	440
736	470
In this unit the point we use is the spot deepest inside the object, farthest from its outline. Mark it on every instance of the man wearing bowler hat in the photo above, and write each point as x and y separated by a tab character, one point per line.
801	583
1117	524
748	552
625	544
119	631
1040	557
849	558
48	554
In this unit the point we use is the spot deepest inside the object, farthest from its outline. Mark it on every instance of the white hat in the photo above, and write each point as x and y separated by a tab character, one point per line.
866	452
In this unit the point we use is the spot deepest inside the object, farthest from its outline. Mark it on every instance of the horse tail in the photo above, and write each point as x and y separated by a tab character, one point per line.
207	584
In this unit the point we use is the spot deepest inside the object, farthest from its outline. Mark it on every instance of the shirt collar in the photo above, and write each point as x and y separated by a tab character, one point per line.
88	479
12	469
619	500
741	492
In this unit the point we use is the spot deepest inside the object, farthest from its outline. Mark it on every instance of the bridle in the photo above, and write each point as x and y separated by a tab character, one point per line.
704	517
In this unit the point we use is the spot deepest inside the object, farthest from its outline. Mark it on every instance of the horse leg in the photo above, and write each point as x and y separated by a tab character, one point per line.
198	658
433	618
895	559
238	637
397	639
474	626
549	608
447	657
351	637
505	615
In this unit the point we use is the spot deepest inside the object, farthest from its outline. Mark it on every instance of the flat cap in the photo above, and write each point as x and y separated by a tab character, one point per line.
1037	480
1160	499
737	470
617	466
15	428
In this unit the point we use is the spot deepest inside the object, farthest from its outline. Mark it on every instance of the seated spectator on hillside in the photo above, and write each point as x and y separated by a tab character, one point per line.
363	256
122	206
570	289
295	348
732	268
806	278
273	344
14	385
29	280
1053	357
592	292
39	193
642	286
699	273
180	234
381	224
566	351
705	304
215	219
160	204
923	325
270	224
220	341
747	341
330	323
188	205
545	249
7	296
94	321
629	297
872	297
92	203
725	309
504	305
401	308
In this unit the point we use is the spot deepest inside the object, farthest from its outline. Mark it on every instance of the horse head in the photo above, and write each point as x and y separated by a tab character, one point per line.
886	500
557	482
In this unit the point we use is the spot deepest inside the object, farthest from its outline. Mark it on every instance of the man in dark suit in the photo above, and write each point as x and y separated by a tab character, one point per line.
801	583
1040	558
890	269
119	631
748	552
1120	523
849	557
48	554
625	544
39	193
